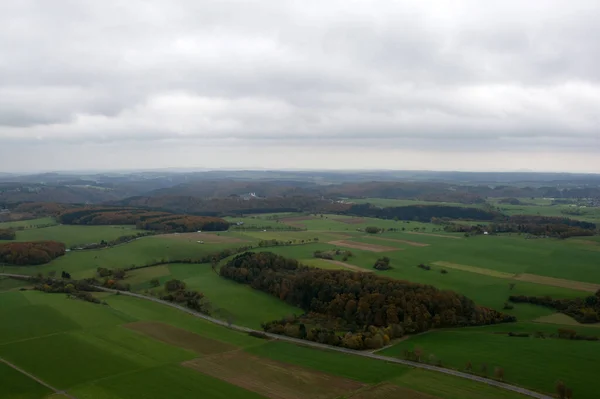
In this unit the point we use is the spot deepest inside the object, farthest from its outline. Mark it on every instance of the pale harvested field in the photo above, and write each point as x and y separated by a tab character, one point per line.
390	391
272	379
296	220
562	319
179	337
411	243
351	220
433	235
473	269
364	246
348	266
209	238
530	278
558	282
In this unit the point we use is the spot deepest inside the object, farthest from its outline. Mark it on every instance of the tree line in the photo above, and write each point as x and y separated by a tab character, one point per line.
373	309
560	227
31	253
142	219
7	234
584	310
421	213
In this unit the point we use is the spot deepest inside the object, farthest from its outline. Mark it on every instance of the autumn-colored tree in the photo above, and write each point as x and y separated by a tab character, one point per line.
154	283
568	393
418	353
484	369
469	366
561	389
499	373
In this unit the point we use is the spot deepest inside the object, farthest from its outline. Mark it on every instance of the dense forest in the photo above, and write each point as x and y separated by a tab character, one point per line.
560	227
422	213
233	204
30	253
142	218
7	234
584	310
371	308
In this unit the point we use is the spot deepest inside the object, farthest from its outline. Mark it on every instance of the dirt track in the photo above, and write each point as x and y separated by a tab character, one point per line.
364	246
348	266
411	243
433	235
209	238
351	220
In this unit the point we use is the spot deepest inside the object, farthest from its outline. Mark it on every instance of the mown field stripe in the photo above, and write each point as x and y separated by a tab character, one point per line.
526	277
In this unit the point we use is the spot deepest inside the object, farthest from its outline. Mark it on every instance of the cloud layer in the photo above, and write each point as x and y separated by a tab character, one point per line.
392	83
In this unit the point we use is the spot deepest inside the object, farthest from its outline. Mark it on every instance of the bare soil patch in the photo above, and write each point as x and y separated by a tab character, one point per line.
179	337
474	269
272	379
209	238
558	282
351	220
411	243
348	266
364	246
433	235
390	391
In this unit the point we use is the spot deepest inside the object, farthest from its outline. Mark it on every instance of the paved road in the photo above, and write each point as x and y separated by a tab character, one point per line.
33	377
302	342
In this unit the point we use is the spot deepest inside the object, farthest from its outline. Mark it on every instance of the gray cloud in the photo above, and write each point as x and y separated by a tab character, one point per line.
428	77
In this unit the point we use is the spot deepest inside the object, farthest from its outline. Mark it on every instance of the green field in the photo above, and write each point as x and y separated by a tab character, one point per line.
76	235
29	223
532	362
123	360
17	385
85	350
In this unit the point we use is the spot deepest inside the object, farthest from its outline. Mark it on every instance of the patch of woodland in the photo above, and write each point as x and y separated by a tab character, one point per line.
30	253
367	309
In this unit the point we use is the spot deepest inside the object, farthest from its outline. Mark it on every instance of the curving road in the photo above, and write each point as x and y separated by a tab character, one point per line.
302	342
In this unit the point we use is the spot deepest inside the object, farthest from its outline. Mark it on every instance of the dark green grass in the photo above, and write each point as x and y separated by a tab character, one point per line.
74	235
11	300
348	366
146	310
139	347
10	284
64	360
448	387
169	381
32	321
531	362
15	385
85	314
241	304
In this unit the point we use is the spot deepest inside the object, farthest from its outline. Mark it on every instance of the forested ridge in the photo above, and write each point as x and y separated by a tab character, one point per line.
561	227
31	253
142	218
368	306
422	213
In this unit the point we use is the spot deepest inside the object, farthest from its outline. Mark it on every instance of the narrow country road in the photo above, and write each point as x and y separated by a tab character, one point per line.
33	377
302	342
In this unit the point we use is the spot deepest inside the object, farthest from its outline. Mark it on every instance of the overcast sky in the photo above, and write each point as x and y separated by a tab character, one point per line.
445	85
